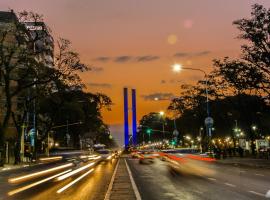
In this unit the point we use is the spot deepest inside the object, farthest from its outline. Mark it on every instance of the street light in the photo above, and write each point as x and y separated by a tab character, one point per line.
178	67
254	127
161	113
208	121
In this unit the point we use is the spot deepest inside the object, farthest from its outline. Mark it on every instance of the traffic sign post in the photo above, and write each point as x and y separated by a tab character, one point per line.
175	134
209	121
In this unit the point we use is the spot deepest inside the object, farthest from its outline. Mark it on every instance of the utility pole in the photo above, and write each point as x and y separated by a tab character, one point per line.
22	142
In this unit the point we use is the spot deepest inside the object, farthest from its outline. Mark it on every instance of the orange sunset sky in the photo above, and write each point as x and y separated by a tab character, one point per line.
133	43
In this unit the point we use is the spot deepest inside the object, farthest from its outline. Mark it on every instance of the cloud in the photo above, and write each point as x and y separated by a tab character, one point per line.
125	58
101	85
158	96
163	81
181	54
96	69
202	53
122	59
147	58
170	81
102	59
191	54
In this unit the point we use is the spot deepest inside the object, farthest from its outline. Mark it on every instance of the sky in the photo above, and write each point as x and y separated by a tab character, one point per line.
133	43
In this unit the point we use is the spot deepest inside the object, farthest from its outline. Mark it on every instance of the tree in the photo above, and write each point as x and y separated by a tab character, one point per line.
151	128
74	106
251	72
22	69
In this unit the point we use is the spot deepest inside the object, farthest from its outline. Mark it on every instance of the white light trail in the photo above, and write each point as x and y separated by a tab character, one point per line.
36	183
75	181
109	157
75	171
51	158
17	179
95	158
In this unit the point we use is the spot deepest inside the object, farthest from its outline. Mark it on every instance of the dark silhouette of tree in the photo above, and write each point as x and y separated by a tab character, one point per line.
21	71
251	72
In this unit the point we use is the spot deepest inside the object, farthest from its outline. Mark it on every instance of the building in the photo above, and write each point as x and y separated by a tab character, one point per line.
43	42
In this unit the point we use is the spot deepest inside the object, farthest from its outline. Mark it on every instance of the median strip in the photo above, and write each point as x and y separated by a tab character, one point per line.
134	186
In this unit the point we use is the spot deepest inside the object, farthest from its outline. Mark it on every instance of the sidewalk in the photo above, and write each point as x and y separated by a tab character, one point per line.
121	186
246	162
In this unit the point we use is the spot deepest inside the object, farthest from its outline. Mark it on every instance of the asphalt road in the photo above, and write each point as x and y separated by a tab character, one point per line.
192	180
93	186
199	180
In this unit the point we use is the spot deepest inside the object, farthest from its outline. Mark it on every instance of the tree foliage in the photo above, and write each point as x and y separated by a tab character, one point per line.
251	72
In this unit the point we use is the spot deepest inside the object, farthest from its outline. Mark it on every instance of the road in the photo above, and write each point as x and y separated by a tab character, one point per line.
199	180
194	180
91	187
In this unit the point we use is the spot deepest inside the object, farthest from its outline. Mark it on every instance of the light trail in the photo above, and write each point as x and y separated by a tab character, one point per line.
95	158
21	178
109	157
75	171
51	158
36	183
75	181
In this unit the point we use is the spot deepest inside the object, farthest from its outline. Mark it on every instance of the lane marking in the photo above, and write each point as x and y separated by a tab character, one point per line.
242	171
108	193
229	184
212	179
257	193
259	174
135	189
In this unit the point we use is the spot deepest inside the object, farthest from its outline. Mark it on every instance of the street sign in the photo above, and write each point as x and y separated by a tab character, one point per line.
32	136
175	132
209	121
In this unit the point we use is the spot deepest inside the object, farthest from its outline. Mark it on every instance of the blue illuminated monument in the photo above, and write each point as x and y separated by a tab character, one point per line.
126	128
134	118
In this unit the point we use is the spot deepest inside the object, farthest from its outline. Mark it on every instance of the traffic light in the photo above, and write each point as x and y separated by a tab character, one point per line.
149	131
173	142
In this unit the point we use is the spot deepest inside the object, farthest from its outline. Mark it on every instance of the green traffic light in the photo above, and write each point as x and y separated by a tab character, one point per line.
148	131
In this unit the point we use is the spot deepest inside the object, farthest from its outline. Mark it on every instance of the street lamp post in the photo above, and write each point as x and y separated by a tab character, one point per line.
161	113
208	121
177	68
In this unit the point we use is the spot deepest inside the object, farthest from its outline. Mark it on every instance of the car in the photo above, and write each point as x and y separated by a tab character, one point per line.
147	157
106	154
135	154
